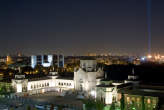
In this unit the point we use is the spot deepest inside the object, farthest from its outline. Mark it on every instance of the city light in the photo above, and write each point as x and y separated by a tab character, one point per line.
149	56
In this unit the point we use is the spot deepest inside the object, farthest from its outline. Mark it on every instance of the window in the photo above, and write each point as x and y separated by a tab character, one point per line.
148	101
81	87
128	99
138	100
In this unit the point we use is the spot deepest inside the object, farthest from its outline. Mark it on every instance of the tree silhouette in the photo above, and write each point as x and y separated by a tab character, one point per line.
143	104
29	107
99	105
122	102
52	107
112	106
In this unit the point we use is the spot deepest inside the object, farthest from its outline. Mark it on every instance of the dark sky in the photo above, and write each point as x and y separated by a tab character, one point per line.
79	26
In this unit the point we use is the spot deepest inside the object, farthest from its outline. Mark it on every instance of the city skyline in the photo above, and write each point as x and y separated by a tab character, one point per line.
80	27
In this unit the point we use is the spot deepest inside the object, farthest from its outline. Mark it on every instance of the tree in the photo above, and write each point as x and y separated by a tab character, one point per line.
11	89
60	108
122	102
99	105
29	107
143	103
89	104
52	107
132	107
112	106
3	90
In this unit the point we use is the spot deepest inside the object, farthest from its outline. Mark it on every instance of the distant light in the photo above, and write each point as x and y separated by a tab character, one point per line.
133	108
149	56
93	93
143	58
19	88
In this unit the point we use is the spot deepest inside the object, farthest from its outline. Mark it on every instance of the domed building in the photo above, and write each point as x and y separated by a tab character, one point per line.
87	76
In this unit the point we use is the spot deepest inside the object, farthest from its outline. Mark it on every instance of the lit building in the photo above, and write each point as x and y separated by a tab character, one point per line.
61	61
85	80
140	102
9	60
47	60
41	85
44	60
106	92
87	76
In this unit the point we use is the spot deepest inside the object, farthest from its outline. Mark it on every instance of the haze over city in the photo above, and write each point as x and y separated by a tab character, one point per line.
81	55
78	27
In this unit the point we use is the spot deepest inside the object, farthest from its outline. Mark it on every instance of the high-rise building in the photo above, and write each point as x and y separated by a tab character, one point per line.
9	60
47	60
61	61
44	60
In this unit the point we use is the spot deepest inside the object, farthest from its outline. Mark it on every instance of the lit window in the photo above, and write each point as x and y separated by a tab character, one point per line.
148	101
128	99
154	102
138	100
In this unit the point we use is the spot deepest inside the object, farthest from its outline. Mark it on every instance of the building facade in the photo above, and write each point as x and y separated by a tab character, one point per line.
41	85
47	60
85	80
87	76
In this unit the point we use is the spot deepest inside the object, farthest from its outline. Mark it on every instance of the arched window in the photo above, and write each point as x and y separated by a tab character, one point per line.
81	87
31	87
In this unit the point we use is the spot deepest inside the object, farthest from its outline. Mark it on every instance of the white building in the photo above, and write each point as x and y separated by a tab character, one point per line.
87	76
41	85
44	60
107	91
47	60
85	80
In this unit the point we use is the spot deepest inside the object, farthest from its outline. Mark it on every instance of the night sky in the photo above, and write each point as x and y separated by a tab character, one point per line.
79	26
